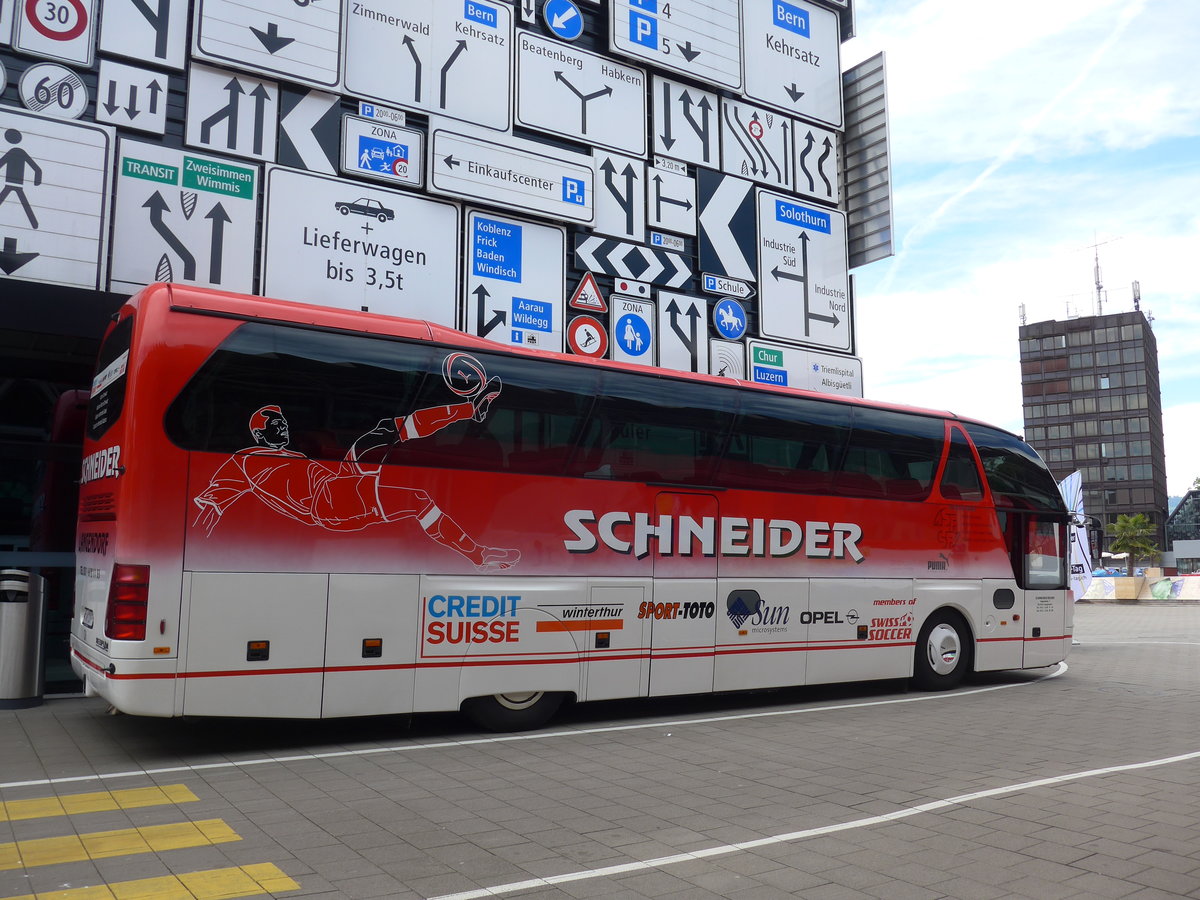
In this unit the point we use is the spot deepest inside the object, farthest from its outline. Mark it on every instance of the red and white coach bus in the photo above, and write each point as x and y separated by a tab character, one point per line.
290	510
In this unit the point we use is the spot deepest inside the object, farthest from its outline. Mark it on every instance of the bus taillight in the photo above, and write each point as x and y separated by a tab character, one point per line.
125	619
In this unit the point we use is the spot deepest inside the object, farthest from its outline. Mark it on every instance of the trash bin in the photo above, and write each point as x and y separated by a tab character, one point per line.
22	610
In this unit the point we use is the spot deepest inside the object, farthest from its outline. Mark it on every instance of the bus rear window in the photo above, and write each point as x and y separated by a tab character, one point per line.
108	387
1016	474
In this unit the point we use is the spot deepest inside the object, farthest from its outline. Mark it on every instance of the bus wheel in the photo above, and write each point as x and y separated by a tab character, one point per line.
943	652
513	712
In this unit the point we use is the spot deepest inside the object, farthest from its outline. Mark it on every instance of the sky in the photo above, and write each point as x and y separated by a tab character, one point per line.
1026	138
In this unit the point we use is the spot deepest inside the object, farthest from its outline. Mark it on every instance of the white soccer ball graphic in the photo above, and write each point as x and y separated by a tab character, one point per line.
464	374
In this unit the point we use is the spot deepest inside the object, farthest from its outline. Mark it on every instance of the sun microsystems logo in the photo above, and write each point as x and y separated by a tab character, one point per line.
741	605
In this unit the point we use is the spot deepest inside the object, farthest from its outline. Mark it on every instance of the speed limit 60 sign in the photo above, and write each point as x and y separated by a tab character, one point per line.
56	29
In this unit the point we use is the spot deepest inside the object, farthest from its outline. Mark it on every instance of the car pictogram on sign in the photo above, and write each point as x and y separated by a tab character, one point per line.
364	206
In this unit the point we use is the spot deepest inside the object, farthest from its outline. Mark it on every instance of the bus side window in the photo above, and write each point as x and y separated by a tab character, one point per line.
655	430
960	480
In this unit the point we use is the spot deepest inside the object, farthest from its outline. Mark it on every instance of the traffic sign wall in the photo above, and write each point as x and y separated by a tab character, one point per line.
791	58
756	143
804	284
181	216
817	163
671	201
620	195
583	96
514	281
53	90
511	172
634	328
631	261
356	246
54	203
698	38
687	122
56	29
310	130
300	42
231	113
682	332
132	97
150	31
728	225
383	152
447	59
809	370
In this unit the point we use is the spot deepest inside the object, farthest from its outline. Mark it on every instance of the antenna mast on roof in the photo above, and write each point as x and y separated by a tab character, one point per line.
1099	284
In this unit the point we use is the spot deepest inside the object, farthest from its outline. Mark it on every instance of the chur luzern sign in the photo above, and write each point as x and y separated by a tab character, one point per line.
510	172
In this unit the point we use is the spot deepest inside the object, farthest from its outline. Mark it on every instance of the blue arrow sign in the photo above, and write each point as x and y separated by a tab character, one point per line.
563	19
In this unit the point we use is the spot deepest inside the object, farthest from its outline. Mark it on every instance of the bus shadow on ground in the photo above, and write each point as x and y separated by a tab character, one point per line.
154	741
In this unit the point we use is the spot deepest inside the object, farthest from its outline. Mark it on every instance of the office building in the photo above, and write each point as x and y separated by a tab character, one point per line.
1092	402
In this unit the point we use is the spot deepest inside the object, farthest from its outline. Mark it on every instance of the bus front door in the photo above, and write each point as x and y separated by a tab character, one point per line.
1044	550
683	607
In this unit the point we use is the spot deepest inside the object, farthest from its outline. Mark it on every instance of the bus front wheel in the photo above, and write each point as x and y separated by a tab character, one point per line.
513	712
943	652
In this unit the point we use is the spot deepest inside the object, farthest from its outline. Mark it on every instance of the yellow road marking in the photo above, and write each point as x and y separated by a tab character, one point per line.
101	801
105	844
213	884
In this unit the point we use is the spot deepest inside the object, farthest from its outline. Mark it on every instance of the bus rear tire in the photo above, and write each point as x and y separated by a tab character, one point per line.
943	653
513	712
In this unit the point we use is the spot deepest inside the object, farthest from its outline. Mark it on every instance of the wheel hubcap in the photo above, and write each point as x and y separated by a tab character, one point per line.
519	701
944	649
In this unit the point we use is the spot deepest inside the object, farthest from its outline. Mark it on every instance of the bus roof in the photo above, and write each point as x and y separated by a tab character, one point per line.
205	301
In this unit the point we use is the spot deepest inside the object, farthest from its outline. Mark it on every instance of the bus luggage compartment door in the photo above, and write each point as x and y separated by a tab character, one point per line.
683	611
255	644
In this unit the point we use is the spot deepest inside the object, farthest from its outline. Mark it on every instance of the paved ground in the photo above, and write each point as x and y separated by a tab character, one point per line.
1081	785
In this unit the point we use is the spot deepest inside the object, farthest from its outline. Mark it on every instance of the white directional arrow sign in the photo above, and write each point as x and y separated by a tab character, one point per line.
448	59
804	283
231	113
300	41
791	49
682	332
620	195
700	38
817	163
687	122
510	172
515	273
152	31
756	143
180	216
133	97
590	98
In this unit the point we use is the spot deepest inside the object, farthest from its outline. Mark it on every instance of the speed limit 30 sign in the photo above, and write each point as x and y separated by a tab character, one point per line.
56	29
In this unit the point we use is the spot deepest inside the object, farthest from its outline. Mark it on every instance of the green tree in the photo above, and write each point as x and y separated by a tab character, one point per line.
1132	536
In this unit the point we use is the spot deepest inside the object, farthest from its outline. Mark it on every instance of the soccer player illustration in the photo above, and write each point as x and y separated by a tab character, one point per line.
349	495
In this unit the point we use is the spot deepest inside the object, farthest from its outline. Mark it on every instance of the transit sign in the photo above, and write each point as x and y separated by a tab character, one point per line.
698	38
515	281
791	53
804	281
510	172
182	216
341	243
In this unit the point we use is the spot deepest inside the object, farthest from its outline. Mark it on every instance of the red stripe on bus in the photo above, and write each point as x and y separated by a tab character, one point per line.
581	625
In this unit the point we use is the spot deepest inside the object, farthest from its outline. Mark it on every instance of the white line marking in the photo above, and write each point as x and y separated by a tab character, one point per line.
725	849
504	739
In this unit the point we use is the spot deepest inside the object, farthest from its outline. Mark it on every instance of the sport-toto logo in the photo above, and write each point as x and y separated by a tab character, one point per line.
625	532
